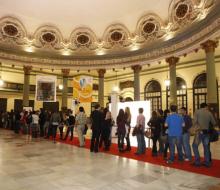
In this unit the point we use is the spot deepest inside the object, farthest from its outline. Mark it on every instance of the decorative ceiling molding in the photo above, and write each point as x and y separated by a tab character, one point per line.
83	39
116	36
117	42
48	37
12	31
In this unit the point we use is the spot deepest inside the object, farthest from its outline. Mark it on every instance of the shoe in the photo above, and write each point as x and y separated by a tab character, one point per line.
128	149
187	160
165	158
207	165
169	162
137	153
196	164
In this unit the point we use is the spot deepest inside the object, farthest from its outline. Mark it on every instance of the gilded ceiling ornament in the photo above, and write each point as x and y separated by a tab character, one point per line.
149	28
12	31
116	36
48	37
83	38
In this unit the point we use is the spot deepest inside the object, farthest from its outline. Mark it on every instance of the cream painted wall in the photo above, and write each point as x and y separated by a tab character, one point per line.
188	71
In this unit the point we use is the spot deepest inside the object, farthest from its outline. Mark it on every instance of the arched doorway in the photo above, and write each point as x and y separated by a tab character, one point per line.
152	92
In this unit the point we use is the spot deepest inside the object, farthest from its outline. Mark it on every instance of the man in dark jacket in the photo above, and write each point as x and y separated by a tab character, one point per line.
97	123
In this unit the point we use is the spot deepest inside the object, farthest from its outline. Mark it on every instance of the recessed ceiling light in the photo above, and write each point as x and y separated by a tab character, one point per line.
66	52
29	49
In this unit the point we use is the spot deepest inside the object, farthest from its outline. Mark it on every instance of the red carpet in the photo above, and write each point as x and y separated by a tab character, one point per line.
214	171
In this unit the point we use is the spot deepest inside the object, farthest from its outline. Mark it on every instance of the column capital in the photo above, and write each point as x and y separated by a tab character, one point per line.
209	46
65	72
172	60
136	68
101	73
27	69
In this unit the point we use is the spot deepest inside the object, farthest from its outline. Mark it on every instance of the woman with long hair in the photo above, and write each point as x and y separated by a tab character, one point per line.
128	127
121	129
154	124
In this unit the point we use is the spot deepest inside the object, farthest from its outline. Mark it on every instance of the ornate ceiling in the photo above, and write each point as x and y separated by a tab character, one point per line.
103	34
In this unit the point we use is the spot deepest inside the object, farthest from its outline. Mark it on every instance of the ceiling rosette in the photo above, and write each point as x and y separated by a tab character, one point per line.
48	37
83	39
116	36
12	31
149	28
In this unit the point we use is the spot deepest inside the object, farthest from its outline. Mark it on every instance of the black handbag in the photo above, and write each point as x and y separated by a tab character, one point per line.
85	130
213	135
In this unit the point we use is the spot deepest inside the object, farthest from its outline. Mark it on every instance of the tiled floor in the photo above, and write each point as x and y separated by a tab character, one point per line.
42	165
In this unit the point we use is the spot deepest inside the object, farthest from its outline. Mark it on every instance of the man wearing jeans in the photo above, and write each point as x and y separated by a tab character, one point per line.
175	124
203	118
186	136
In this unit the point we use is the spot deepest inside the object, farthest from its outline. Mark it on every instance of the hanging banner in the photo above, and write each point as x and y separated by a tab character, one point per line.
45	88
82	88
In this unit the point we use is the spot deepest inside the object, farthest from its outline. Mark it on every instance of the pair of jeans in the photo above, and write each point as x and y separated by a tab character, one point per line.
141	144
69	130
80	130
175	140
154	148
204	138
54	131
186	146
121	137
95	140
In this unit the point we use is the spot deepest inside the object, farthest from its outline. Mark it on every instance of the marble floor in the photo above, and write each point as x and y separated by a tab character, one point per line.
39	164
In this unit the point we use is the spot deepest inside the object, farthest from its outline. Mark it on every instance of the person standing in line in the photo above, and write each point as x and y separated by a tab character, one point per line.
81	119
203	117
165	134
97	123
42	121
160	140
141	149
34	124
47	125
154	124
186	136
70	124
175	124
128	128
120	121
108	123
55	121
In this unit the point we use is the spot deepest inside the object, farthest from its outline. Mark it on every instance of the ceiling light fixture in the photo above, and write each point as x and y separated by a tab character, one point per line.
29	49
60	87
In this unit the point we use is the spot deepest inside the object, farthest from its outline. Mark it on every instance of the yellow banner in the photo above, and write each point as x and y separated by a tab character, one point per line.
82	88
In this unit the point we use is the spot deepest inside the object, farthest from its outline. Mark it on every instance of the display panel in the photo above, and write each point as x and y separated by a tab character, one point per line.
134	106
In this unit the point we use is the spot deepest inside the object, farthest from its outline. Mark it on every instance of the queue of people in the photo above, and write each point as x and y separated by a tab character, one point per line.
168	129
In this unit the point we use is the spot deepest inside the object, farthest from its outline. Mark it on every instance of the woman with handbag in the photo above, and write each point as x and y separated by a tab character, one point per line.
154	124
141	149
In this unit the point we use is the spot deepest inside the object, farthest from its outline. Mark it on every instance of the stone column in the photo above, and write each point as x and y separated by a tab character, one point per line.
26	87
212	99
172	61
65	73
136	69
101	73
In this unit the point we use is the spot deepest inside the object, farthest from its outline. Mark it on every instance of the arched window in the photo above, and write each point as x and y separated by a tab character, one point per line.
181	93
128	99
152	92
200	90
